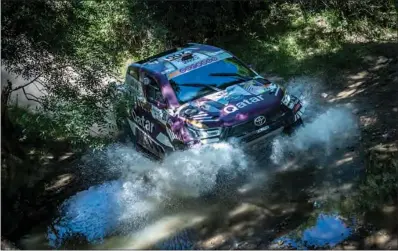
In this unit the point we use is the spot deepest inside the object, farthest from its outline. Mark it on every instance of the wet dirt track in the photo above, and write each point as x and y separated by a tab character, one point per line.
280	199
266	192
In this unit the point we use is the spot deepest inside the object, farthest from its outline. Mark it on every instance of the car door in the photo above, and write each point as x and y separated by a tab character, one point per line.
148	118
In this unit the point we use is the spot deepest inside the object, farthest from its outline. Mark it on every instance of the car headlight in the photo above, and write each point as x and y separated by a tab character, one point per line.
293	103
209	133
206	133
287	100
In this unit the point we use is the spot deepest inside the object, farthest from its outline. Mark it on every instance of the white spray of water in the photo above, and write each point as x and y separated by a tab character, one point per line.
333	128
325	128
132	200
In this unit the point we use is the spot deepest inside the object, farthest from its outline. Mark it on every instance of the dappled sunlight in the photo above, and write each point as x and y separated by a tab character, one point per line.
358	76
389	209
382	239
311	187
357	84
65	156
346	94
347	158
251	225
61	181
161	230
242	209
385	148
214	241
345	187
367	121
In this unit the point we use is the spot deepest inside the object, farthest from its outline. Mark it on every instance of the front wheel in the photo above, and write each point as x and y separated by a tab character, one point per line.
291	129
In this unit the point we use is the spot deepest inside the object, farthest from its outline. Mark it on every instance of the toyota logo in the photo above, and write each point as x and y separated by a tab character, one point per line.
259	121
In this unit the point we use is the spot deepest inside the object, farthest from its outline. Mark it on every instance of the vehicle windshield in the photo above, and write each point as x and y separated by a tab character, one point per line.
205	80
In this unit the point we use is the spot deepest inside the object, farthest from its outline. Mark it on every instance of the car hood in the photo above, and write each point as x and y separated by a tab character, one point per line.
233	105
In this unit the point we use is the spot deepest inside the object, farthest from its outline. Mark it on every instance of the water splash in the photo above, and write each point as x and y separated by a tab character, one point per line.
325	127
142	189
334	128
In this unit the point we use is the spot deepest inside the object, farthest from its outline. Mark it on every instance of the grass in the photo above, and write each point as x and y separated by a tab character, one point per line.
287	42
307	45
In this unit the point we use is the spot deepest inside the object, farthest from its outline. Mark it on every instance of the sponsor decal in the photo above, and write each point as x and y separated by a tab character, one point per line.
143	122
150	144
214	53
271	87
234	97
171	134
216	96
199	64
173	74
231	94
233	108
167	71
262	129
170	121
230	109
158	114
199	61
164	140
254	88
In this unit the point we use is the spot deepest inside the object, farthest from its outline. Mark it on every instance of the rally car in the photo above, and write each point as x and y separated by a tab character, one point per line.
200	94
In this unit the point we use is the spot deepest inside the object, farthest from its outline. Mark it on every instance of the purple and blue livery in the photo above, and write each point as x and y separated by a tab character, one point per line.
200	94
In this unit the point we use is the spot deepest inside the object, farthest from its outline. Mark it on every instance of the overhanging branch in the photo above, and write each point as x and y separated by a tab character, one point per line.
25	85
32	97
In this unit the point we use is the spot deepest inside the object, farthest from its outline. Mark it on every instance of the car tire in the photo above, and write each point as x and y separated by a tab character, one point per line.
291	129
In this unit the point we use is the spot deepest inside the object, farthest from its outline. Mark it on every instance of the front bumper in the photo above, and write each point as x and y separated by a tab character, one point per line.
247	133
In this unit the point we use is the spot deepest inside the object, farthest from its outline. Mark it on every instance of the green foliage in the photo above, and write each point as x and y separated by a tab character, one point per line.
72	46
380	185
292	42
376	188
68	47
64	122
121	102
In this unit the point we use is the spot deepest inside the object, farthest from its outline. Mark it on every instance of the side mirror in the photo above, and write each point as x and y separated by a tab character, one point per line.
146	81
